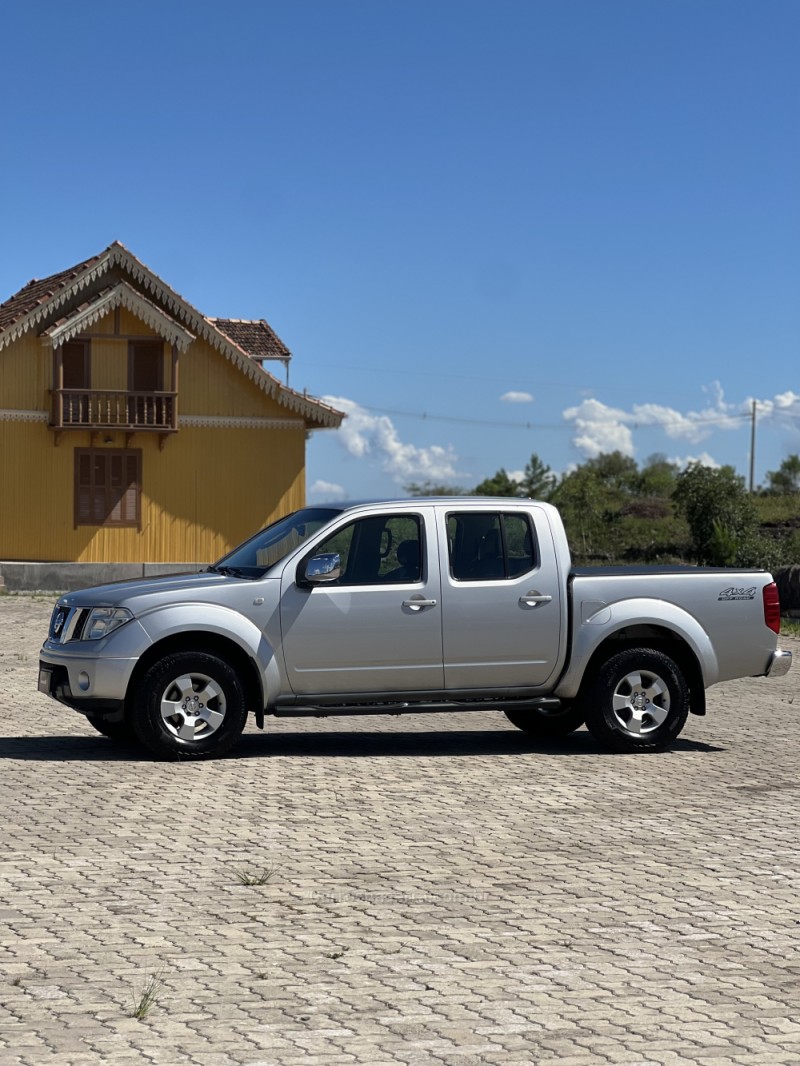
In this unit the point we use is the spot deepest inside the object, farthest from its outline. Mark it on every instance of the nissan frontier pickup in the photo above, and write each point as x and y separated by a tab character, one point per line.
437	604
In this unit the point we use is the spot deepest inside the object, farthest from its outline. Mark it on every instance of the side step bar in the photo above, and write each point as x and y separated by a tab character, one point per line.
299	710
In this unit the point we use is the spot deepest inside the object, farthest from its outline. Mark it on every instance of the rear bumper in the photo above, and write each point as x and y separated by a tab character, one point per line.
779	664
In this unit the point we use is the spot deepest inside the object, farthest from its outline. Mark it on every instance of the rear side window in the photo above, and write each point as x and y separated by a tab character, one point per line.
488	546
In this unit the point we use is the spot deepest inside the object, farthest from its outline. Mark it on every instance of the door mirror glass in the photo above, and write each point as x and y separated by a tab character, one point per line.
321	569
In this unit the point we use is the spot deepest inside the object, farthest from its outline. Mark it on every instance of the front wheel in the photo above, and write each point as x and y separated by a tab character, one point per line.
546	723
120	731
638	701
189	705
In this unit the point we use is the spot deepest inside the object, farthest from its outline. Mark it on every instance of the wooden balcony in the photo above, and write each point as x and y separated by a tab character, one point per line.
110	409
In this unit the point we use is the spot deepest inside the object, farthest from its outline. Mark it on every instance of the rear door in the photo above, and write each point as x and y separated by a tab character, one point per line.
501	598
377	629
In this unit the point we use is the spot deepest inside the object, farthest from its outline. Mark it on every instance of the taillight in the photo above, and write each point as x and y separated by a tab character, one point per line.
772	607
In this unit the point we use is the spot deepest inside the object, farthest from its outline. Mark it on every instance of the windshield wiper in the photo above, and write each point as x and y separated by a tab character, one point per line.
233	571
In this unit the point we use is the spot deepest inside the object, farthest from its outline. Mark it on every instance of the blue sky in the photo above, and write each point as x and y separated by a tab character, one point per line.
483	229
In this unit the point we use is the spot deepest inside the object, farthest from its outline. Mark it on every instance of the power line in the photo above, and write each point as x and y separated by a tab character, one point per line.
424	416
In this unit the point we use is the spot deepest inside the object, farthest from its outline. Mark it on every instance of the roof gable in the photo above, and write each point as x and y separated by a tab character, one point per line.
254	336
37	305
38	292
120	295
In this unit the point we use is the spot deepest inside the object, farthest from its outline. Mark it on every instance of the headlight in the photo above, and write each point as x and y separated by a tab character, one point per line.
104	620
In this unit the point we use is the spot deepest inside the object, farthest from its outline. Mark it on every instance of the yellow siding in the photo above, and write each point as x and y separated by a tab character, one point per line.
211	385
26	374
206	491
109	364
129	324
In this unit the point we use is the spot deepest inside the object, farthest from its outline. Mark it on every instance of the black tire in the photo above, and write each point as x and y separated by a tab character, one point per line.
549	723
121	731
189	705
638	701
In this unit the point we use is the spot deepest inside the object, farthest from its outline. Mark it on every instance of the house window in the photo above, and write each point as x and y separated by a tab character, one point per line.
76	365
145	378
75	376
145	366
108	486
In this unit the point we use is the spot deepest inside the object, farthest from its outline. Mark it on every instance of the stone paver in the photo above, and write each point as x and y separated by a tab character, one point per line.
439	890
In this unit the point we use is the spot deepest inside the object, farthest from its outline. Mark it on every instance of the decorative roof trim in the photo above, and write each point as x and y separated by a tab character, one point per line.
122	295
234	422
118	255
10	415
93	270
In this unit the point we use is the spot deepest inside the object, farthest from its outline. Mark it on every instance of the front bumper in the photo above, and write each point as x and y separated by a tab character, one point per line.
90	684
780	663
54	681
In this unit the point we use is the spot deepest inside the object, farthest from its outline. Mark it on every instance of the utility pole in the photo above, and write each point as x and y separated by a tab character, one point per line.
752	446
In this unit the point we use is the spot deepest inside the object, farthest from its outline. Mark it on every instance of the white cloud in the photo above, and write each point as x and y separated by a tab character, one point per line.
364	435
704	459
326	490
785	403
600	428
517	397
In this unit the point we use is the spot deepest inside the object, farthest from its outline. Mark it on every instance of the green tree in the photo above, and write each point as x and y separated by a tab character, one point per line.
430	488
658	476
616	471
499	485
539	480
721	515
786	479
582	500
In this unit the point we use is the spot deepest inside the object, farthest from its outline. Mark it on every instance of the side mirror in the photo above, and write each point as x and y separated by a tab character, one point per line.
323	569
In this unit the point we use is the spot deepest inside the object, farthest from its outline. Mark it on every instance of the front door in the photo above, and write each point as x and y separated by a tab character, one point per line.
377	628
501	608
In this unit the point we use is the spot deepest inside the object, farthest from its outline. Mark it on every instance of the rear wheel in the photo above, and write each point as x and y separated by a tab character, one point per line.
190	705
548	723
638	701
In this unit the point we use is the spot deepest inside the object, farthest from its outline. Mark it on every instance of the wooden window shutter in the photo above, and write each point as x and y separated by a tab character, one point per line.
108	486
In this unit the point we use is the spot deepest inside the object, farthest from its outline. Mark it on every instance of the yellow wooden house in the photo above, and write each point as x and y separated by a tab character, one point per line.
133	428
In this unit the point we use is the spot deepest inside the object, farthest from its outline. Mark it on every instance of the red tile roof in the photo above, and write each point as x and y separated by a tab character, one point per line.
38	291
254	336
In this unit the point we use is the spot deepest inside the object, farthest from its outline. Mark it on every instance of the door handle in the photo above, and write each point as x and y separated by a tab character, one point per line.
533	599
416	604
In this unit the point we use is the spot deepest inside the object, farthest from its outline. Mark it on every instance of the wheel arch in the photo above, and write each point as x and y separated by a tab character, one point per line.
656	638
210	644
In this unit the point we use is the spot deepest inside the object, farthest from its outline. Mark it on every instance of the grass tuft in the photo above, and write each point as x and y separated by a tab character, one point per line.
148	997
260	877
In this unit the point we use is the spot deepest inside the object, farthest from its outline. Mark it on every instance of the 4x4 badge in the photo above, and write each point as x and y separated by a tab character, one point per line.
738	594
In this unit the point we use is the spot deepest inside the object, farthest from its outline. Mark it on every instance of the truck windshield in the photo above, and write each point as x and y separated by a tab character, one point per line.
269	546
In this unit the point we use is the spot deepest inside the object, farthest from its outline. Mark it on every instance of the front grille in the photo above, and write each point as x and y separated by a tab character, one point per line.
58	623
67	623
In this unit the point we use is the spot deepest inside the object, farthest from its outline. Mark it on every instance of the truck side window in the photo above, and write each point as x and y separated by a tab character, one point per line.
377	550
490	547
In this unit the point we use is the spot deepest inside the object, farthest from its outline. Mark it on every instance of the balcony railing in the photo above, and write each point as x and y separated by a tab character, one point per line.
111	409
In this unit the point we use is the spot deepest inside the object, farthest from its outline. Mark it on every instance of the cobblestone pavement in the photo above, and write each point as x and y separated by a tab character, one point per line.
437	890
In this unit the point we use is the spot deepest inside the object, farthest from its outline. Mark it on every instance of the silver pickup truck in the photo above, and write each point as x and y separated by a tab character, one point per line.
455	603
